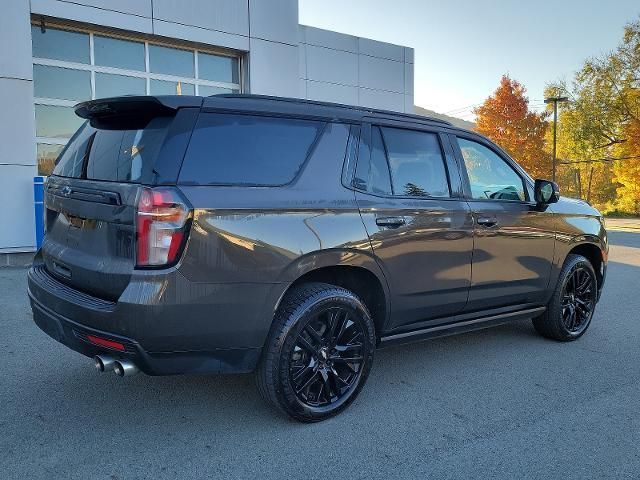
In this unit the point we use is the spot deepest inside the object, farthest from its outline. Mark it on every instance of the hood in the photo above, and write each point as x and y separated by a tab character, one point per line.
577	206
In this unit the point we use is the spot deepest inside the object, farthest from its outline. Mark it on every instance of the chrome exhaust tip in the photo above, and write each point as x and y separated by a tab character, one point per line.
104	363
124	368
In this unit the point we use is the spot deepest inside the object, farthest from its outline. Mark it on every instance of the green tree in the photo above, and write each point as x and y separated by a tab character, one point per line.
599	123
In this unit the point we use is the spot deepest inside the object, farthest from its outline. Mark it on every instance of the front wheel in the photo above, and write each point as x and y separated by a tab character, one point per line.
319	352
571	307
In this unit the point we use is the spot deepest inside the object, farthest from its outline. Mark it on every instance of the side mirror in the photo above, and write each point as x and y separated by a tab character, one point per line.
546	192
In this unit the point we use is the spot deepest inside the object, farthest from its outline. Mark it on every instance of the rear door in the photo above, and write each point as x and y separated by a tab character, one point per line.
91	197
513	239
409	193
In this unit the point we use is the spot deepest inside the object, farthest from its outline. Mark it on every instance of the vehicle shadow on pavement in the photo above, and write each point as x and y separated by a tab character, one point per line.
221	402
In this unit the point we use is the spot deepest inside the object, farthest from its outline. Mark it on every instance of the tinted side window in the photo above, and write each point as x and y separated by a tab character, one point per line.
372	173
416	163
247	150
379	178
489	175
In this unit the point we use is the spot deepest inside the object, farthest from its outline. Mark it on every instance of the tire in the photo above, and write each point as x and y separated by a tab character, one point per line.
318	354
573	302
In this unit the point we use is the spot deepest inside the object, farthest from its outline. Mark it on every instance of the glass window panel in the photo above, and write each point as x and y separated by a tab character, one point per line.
491	178
62	83
126	155
72	158
171	61
217	68
161	87
56	122
247	150
416	163
114	52
47	155
379	179
108	85
206	90
60	45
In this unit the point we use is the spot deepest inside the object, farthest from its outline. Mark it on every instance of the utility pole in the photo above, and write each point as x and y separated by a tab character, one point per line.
555	101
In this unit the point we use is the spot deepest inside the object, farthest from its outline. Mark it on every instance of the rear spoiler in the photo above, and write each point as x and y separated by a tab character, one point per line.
132	111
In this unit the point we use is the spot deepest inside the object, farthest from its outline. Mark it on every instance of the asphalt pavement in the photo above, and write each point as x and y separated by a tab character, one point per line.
499	403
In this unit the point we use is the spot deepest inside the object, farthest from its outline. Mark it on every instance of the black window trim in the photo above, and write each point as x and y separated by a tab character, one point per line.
365	141
351	155
518	170
386	156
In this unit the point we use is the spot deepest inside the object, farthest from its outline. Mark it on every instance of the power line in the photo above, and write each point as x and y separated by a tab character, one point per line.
462	109
601	160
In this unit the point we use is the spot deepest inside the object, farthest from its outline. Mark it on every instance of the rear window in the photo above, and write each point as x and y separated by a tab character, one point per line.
113	155
248	150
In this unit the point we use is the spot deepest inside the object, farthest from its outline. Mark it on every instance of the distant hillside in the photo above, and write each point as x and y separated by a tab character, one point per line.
458	122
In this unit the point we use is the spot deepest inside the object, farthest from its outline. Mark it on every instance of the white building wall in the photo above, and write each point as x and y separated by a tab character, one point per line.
335	67
280	58
17	130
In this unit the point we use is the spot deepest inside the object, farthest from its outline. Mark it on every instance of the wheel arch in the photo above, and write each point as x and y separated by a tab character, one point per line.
593	253
367	283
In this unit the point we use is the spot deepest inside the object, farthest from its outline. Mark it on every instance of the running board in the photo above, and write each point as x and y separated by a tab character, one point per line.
459	327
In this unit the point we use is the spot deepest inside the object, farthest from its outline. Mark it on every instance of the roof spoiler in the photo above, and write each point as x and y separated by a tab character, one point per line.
132	111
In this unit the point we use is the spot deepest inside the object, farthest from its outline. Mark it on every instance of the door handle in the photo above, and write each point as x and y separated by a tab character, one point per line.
487	221
391	222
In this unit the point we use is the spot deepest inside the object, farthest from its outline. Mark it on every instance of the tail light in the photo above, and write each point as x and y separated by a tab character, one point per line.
162	227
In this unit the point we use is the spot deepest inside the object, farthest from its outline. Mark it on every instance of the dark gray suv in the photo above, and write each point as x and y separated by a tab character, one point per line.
241	233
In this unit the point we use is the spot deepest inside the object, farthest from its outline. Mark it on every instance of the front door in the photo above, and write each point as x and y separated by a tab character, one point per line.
409	195
513	238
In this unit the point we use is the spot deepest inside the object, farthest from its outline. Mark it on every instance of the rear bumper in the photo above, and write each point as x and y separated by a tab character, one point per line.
160	338
74	336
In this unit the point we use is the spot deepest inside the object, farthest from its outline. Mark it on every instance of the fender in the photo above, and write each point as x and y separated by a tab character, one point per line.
312	261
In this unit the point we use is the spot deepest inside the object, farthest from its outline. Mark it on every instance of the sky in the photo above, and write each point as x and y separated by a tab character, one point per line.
463	47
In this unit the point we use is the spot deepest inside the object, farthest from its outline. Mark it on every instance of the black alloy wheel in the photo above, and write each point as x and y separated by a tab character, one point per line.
318	354
572	305
327	357
579	299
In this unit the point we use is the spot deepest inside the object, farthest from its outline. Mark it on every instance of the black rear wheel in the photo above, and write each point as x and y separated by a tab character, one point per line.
573	303
319	352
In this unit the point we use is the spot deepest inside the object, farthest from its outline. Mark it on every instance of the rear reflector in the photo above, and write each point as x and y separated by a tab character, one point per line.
103	342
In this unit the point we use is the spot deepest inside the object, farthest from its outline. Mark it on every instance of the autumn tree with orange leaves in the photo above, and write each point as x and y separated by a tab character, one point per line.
505	118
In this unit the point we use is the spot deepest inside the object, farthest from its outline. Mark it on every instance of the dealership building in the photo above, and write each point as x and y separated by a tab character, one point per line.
63	52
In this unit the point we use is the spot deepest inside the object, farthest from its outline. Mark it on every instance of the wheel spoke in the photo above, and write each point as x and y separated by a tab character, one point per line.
570	287
304	343
347	359
328	388
583	309
304	370
313	334
334	317
584	284
343	327
347	348
312	379
340	383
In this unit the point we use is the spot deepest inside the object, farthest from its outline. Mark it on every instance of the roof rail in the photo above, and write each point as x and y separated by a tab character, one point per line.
333	105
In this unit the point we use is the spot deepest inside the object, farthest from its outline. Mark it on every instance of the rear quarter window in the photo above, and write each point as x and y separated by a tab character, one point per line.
228	149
